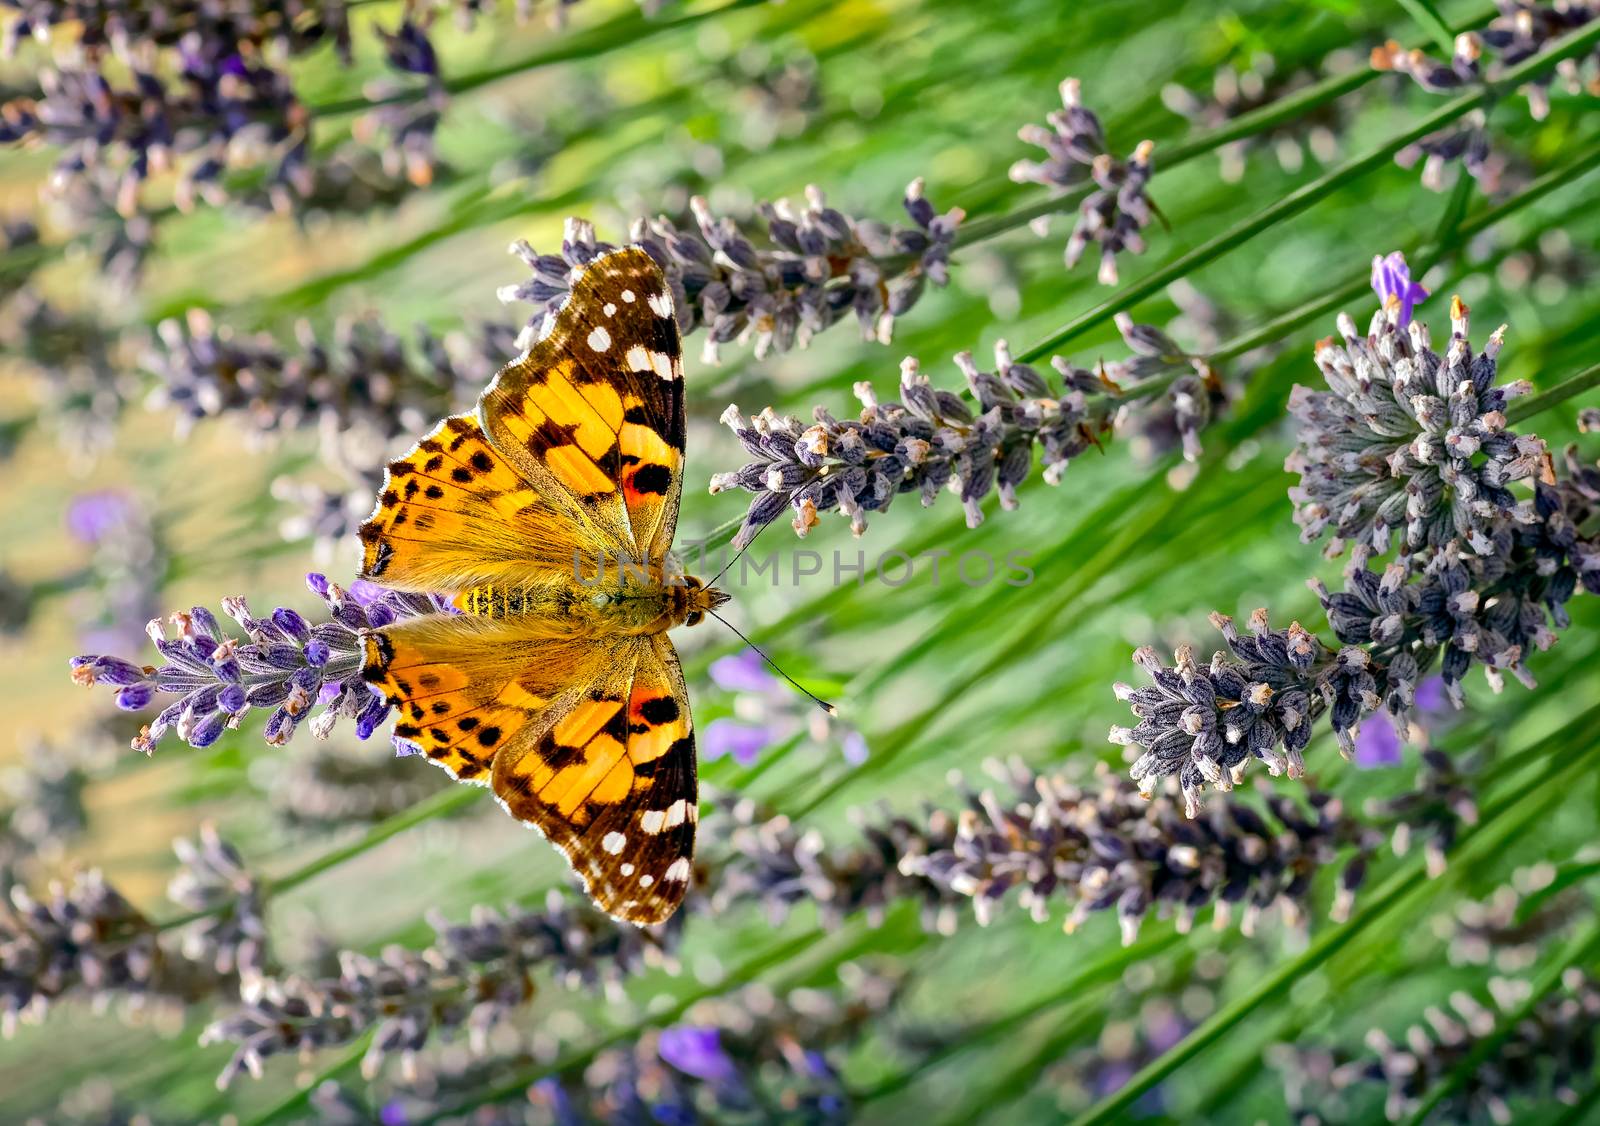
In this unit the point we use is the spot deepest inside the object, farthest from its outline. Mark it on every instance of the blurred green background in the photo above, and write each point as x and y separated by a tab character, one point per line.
614	116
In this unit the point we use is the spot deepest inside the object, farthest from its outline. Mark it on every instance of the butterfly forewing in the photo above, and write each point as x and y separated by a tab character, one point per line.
575	452
598	403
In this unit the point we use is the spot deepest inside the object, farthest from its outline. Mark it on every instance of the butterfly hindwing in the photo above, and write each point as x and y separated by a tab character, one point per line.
589	741
464	687
598	403
612	784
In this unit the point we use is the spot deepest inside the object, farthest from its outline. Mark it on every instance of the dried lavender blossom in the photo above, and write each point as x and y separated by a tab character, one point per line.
85	938
1521	30
230	104
1440	803
1405	439
471	978
285	663
213	882
1262	699
1172	393
1102	845
1237	91
127	29
813	266
930	441
728	1057
771	862
933	440
222	104
1117	209
1493	607
361	379
326	788
360	388
1550	1055
43	808
1259	700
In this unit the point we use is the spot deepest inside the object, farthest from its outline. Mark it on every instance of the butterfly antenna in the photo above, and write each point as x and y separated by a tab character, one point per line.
818	700
740	555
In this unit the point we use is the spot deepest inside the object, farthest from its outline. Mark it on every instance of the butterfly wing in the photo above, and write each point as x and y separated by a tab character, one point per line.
454	514
598	403
612	784
588	741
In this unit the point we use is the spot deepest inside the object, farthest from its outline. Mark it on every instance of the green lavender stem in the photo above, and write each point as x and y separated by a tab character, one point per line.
1520	410
1429	19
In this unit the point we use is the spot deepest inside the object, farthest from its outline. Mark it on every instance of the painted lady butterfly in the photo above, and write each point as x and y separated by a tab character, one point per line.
548	514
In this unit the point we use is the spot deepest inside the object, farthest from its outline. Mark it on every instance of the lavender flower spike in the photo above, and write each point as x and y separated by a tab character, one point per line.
1408	440
929	441
1391	279
810	267
284	663
1075	151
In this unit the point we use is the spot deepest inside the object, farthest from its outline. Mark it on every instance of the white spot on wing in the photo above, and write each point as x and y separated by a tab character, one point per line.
638	358
646	880
662	364
661	304
600	340
627	295
627	869
613	843
677	870
676	812
611	308
653	820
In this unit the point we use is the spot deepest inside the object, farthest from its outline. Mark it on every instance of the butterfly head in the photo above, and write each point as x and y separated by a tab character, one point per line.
698	600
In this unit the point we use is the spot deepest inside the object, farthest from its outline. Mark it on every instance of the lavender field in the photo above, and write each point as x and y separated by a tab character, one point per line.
1166	436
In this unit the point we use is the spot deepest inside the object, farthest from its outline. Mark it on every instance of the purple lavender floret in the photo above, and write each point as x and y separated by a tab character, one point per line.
284	662
1391	278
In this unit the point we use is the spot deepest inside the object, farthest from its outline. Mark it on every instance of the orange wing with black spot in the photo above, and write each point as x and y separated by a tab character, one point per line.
598	404
590	742
612	784
454	514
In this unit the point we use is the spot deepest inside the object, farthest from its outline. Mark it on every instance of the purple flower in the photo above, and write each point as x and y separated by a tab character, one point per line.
284	662
135	697
743	672
1391	278
854	747
1431	696
697	1051
366	592
93	516
744	741
1377	742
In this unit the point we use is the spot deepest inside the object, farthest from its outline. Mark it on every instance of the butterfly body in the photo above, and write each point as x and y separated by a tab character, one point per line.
634	599
548	516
